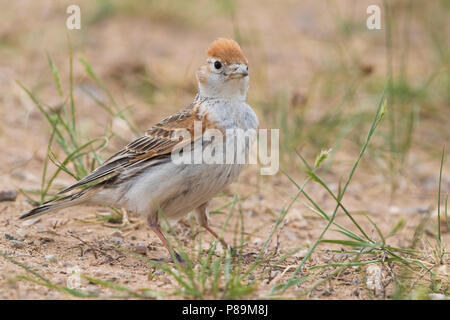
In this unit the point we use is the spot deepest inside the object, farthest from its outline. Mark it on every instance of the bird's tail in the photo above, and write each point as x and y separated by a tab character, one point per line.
64	202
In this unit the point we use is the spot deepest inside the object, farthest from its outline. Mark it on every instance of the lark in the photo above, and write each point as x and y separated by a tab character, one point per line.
143	178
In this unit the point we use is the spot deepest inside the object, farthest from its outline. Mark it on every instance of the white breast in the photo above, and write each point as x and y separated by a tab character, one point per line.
228	114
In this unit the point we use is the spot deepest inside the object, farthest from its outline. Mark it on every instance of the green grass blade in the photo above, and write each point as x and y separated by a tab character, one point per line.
55	74
376	120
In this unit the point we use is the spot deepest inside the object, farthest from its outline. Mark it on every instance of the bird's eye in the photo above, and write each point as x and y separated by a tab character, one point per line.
217	65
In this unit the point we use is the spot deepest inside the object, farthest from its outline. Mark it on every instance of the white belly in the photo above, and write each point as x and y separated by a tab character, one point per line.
177	189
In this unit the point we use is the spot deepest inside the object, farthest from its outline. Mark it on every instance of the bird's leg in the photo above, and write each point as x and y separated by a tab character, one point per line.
202	218
155	227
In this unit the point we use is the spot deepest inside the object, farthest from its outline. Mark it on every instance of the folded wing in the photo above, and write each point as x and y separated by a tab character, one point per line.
157	142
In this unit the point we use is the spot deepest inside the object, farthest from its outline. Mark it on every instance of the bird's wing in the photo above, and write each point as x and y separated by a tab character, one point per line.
157	142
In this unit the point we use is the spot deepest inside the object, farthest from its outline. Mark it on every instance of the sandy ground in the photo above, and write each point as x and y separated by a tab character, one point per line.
74	241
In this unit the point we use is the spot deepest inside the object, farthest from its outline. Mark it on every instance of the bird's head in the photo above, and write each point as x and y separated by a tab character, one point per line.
225	73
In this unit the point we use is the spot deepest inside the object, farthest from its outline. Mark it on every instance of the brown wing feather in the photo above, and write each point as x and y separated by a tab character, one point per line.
156	142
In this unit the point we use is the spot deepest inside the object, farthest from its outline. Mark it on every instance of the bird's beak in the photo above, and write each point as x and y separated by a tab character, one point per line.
241	71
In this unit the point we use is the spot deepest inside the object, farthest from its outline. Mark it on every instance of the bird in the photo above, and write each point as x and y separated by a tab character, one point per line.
143	178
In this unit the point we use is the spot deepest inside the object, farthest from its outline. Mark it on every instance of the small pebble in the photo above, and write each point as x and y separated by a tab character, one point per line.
140	248
51	257
374	279
158	272
437	296
93	289
17	244
9	195
257	241
99	273
116	233
117	240
22	233
67	264
31	221
23	175
9	237
301	254
252	213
